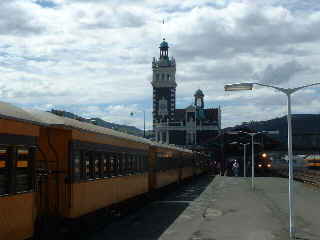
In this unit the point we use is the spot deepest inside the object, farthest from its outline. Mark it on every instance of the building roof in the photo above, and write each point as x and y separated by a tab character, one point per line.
210	114
164	44
199	93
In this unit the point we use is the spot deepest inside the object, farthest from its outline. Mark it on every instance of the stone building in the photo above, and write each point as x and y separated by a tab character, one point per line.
185	127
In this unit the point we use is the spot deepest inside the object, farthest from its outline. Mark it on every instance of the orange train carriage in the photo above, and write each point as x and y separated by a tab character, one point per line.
89	160
80	168
313	161
18	140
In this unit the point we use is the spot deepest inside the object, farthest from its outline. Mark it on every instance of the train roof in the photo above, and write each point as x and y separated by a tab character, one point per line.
54	120
157	144
38	117
8	111
313	157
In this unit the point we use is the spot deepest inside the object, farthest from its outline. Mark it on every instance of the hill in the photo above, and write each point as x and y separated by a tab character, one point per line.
100	122
305	129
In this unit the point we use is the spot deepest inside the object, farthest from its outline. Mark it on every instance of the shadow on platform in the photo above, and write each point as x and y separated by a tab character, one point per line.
152	221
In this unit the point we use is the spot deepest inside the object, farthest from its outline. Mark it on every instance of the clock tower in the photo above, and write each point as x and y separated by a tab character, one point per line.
164	87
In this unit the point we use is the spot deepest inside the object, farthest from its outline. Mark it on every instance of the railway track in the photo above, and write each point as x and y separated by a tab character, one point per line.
301	174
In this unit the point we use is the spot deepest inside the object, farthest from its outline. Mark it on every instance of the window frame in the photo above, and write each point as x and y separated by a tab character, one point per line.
13	171
112	161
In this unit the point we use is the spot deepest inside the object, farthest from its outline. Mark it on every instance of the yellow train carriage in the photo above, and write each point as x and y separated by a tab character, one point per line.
18	140
313	161
96	166
168	164
162	166
187	164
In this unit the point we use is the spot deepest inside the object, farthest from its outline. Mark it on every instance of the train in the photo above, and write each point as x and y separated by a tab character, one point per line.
313	161
57	166
263	163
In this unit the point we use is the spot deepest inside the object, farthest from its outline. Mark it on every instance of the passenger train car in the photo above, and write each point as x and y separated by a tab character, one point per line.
18	144
313	161
56	166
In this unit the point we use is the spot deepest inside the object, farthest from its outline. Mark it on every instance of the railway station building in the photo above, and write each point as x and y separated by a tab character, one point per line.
188	127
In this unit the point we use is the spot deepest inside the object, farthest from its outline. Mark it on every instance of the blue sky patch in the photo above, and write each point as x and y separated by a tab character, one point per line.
46	3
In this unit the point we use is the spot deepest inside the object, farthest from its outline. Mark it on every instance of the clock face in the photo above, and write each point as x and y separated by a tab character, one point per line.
163	107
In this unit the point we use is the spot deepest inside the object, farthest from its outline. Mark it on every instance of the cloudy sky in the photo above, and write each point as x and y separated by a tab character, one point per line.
93	57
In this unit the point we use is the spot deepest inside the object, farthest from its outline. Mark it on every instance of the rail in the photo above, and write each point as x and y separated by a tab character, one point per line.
301	174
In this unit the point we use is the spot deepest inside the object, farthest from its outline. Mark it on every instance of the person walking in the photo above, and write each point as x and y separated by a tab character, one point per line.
235	168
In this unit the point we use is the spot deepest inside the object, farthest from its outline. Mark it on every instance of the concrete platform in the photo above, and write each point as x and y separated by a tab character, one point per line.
224	208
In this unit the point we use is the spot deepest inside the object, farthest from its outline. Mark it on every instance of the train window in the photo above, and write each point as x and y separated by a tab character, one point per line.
125	163
129	164
143	164
117	164
112	164
76	164
132	168
96	163
134	165
23	170
138	163
122	163
92	173
105	165
85	166
4	178
136	157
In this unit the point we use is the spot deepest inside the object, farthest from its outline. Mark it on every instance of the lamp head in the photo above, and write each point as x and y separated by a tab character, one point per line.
238	86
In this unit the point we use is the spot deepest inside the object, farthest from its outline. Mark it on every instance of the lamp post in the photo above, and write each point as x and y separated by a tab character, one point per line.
252	158
287	92
244	158
144	122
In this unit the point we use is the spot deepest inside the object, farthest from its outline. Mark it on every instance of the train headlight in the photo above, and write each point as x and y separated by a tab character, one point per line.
269	165
264	155
259	165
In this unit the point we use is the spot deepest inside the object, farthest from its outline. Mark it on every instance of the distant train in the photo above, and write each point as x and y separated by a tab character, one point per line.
313	161
56	166
263	163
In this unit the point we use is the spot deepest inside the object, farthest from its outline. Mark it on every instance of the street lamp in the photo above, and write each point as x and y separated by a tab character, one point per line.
288	92
144	122
252	158
244	158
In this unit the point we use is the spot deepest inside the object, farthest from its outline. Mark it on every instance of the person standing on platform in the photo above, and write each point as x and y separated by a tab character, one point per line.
235	168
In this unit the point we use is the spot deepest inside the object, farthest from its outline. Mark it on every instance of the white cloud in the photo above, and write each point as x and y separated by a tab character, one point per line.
94	57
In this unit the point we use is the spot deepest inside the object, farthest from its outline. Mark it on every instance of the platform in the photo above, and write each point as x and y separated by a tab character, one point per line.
225	208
